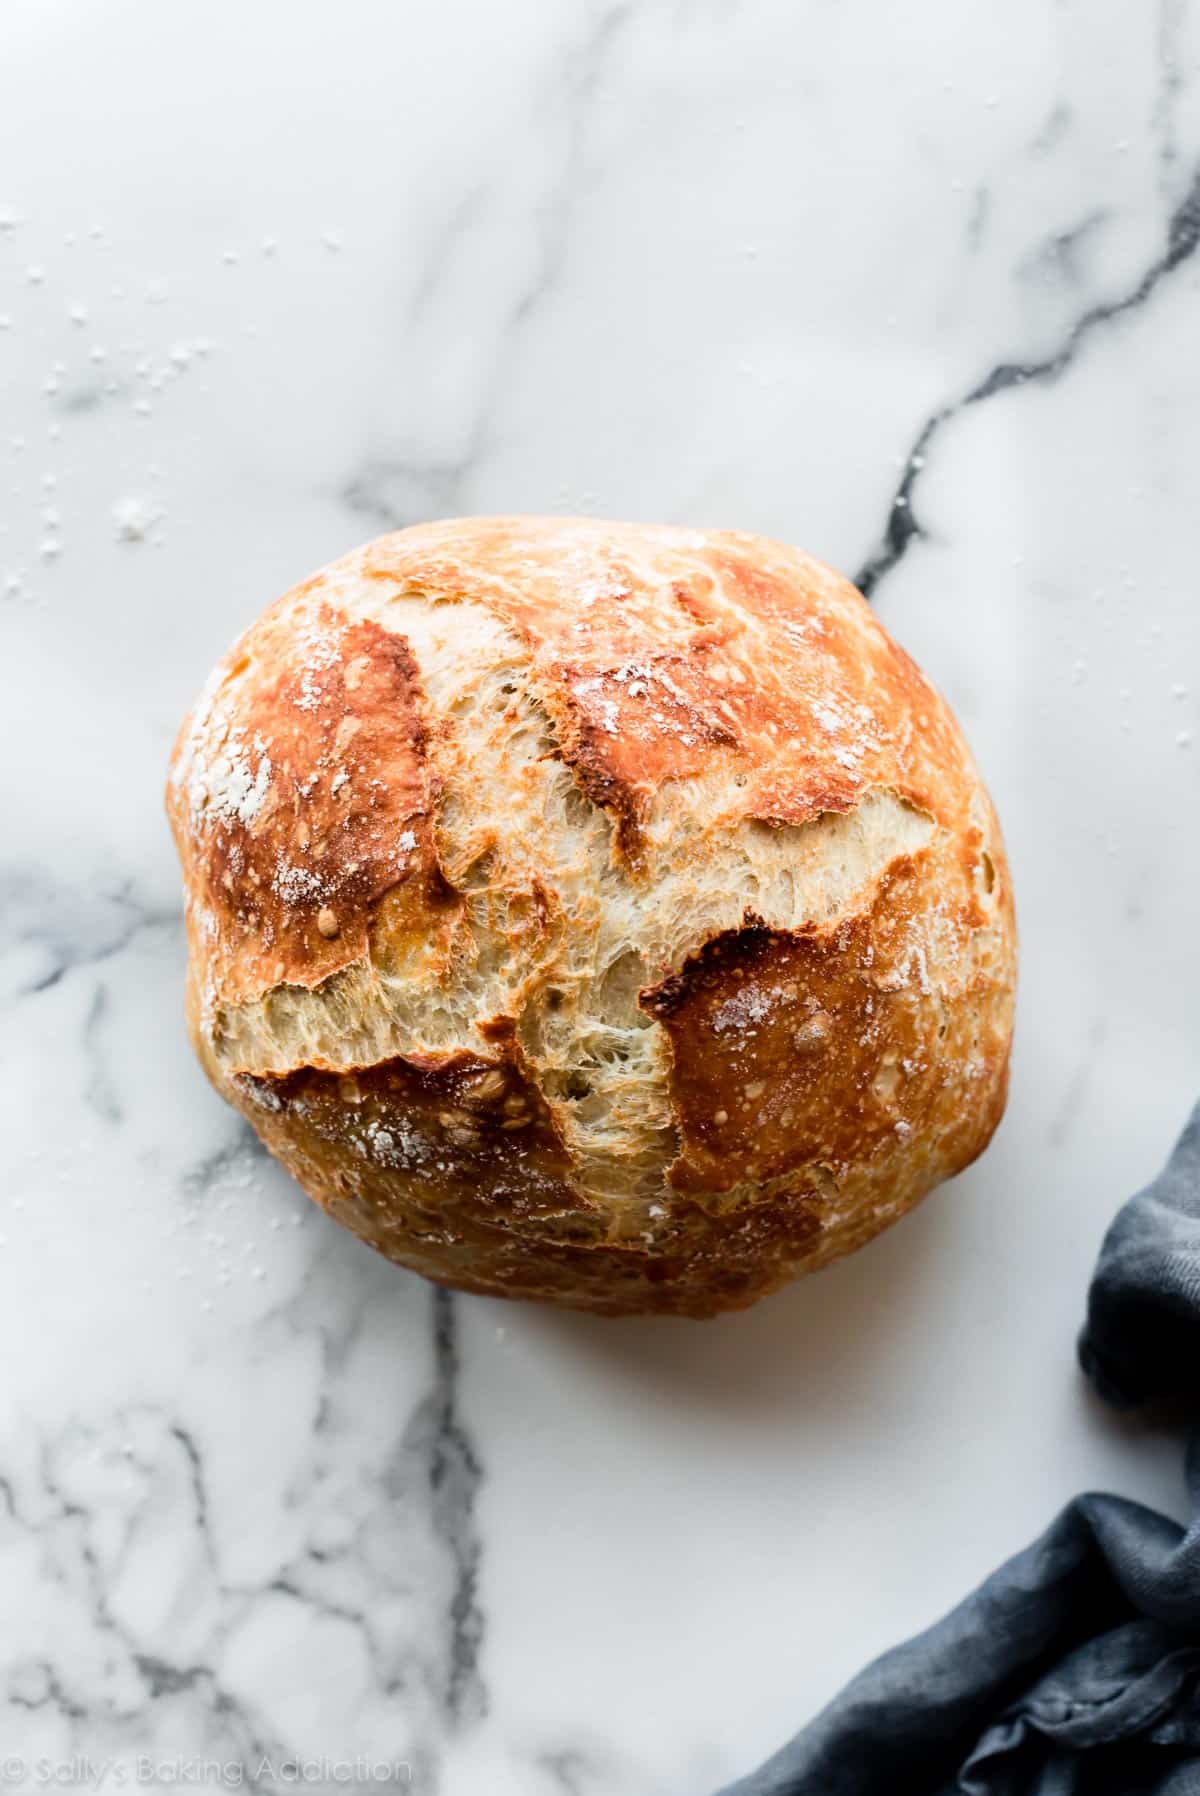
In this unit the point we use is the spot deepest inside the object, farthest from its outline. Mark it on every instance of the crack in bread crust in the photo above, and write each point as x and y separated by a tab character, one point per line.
655	831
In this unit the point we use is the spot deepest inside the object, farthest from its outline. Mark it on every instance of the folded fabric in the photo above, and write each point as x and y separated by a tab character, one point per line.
1075	1669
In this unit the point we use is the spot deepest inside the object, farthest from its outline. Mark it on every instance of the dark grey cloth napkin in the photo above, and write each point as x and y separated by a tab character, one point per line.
1075	1669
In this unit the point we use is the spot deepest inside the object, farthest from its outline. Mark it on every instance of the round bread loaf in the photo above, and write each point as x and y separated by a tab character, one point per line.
594	912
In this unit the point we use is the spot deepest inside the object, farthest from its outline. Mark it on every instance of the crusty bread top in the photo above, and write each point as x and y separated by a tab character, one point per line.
594	911
304	787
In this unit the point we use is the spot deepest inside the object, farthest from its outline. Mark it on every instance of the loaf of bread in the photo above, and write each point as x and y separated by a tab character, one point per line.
593	912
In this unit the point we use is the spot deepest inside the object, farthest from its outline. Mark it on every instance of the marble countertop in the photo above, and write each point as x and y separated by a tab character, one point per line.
915	290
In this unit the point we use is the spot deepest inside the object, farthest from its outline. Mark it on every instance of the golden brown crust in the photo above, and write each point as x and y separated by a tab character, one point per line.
300	795
664	1053
415	1162
833	1049
664	654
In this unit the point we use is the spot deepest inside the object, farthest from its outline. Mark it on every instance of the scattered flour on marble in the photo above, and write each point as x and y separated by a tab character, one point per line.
134	516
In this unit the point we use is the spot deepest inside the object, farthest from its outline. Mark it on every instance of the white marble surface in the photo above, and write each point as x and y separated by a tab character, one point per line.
273	277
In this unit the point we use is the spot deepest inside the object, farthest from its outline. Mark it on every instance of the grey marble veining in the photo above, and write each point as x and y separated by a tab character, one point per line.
916	291
1182	238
